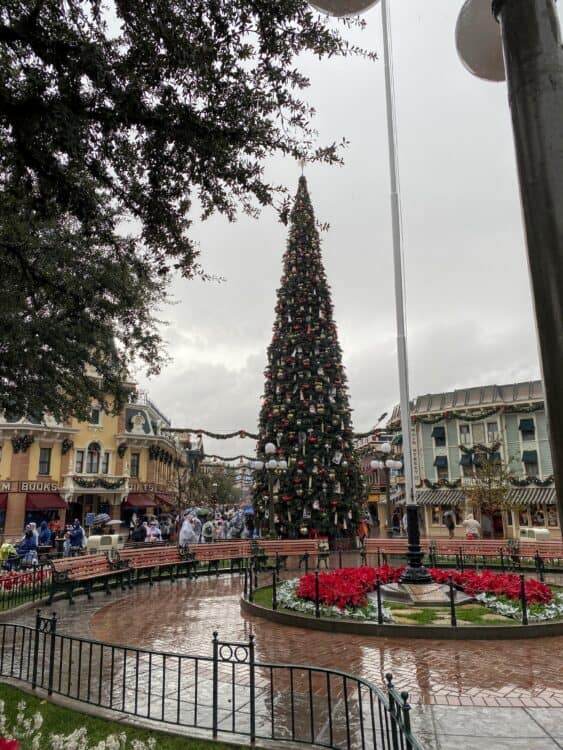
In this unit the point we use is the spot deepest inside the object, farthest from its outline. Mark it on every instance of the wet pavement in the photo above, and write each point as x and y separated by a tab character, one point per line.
465	694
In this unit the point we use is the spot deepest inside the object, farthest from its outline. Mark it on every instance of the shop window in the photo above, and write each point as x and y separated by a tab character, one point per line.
44	461
552	517
537	513
79	462
464	434
93	458
135	464
492	432
105	463
479	433
438	511
524	517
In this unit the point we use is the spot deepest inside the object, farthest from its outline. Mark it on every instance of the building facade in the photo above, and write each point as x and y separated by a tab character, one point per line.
451	431
116	464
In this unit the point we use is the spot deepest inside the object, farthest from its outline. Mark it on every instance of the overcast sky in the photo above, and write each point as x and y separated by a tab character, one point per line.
469	308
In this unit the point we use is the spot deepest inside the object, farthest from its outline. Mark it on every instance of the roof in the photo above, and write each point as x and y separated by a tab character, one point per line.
527	392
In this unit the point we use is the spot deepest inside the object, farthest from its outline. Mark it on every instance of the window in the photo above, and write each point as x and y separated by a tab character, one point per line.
438	512
466	463
537	513
552	517
523	518
441	464
492	432
464	434
44	461
135	464
528	429
93	458
530	461
79	462
95	416
105	463
439	435
479	433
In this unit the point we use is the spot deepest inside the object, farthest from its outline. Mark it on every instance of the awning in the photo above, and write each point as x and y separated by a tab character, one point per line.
532	496
139	500
440	497
44	501
3	500
441	462
466	460
439	432
526	425
160	497
530	457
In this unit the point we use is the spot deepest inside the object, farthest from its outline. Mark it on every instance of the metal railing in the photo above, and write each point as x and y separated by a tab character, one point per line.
24	585
227	692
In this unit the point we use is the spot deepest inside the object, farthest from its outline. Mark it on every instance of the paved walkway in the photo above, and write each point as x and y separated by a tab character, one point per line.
466	694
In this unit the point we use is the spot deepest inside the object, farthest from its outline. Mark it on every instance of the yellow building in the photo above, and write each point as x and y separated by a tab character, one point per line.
117	464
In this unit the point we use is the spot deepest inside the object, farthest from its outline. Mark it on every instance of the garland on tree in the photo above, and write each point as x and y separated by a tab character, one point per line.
20	443
106	484
305	411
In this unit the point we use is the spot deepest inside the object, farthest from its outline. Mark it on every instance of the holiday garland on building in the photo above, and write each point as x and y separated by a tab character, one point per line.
305	412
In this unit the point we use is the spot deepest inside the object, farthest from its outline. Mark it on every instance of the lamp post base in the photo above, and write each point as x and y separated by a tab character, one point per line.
415	572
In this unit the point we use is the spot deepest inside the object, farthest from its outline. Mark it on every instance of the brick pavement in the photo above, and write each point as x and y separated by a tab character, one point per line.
182	616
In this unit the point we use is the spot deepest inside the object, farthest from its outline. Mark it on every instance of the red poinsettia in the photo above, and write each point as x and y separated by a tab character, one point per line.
9	744
346	587
498	584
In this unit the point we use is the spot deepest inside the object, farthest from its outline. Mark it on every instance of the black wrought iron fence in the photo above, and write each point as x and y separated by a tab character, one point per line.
21	586
227	692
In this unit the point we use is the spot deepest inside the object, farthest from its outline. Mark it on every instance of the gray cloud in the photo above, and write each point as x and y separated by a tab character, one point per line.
470	315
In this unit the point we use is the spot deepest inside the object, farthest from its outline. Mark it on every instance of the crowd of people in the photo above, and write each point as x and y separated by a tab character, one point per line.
194	526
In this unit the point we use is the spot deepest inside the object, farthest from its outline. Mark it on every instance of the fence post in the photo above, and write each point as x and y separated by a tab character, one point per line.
540	567
277	564
36	648
378	557
317	603
501	560
306	559
252	688
274	590
53	631
250	581
340	556
256	565
406	718
246	579
392	712
378	596
215	684
452	602
523	600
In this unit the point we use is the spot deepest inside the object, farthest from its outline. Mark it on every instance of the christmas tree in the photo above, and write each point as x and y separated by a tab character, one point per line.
311	482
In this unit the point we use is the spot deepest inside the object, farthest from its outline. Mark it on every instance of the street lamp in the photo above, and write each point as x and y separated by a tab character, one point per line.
528	38
415	571
272	466
385	464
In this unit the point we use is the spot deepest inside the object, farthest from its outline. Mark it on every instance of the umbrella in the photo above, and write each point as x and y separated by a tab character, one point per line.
249	510
116	522
102	519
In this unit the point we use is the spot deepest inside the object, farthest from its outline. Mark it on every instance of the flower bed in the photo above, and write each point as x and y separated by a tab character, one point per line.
21	578
501	593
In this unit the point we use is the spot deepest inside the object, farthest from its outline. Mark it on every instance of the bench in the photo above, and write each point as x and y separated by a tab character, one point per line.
461	549
383	548
213	553
69	573
148	558
304	549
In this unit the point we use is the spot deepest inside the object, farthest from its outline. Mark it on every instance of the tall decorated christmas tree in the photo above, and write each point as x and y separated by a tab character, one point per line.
311	482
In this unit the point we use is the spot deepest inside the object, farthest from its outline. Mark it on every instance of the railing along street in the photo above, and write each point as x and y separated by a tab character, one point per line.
22	586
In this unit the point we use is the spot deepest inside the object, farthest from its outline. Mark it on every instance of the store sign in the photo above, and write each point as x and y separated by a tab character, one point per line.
145	487
38	487
6	486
